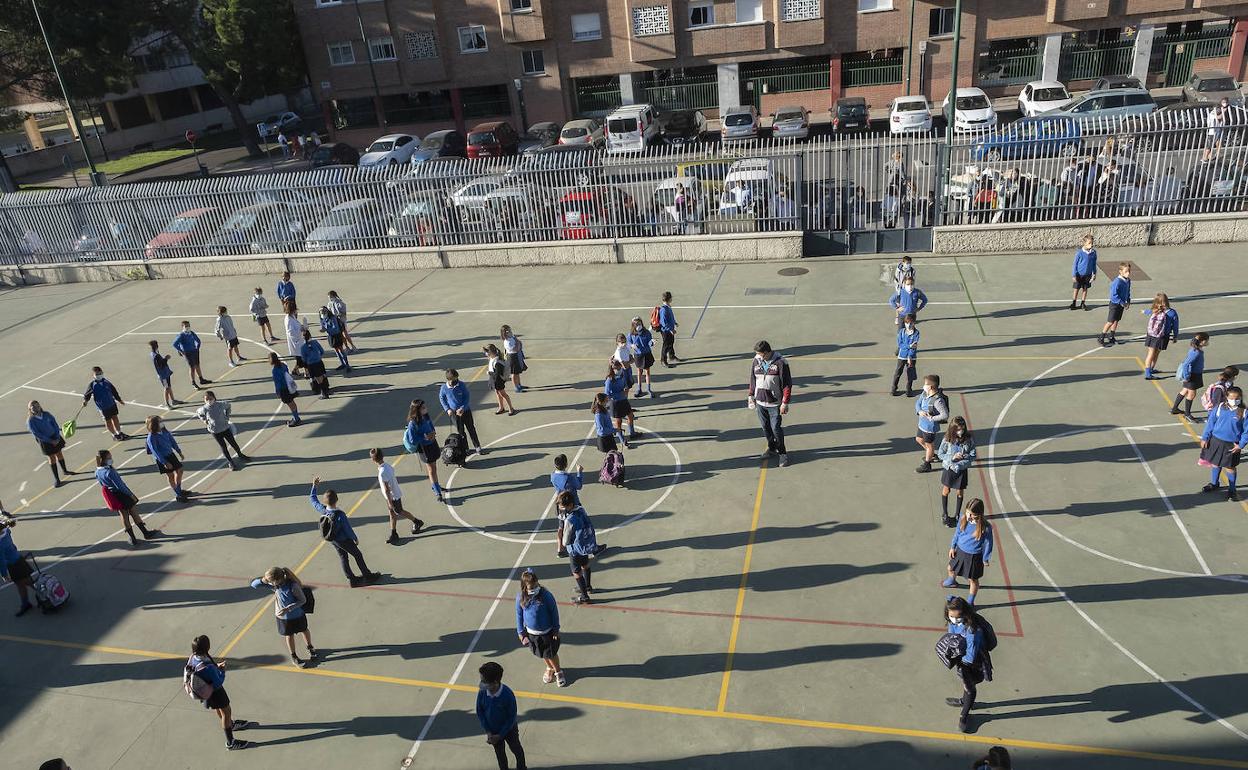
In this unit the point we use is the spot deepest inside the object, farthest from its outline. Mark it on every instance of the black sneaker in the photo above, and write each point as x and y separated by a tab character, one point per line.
895	392
418	526
241	724
581	599
1176	411
1194	418
964	725
356	582
957	702
1073	305
394	538
1210	488
202	381
924	467
1084	305
562	553
1232	496
237	744
245	458
372	577
298	661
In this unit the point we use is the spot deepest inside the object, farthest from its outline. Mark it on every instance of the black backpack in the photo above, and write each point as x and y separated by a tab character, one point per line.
990	635
329	527
453	451
950	648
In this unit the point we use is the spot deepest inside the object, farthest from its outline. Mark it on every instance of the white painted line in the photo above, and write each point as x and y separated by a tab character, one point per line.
1166	500
124	403
675	476
507	587
78	357
22	487
24	502
45	462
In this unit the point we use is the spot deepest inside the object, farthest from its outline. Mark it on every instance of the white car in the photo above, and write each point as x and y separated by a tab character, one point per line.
909	113
974	111
275	124
1041	96
749	183
390	150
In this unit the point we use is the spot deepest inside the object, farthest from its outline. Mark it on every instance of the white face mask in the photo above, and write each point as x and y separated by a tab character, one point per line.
109	462
1232	402
908	289
960	434
955	620
909	326
99	377
533	591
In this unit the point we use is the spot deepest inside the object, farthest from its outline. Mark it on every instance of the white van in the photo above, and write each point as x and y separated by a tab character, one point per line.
632	128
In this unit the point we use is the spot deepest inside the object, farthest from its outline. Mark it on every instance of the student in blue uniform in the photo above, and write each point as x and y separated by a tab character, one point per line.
603	427
187	344
47	432
667	326
641	345
455	399
498	714
1119	301
336	331
1083	273
284	386
971	669
288	601
581	542
563	481
107	400
1161	329
420	439
117	496
1191	375
164	449
932	407
617	383
13	567
285	289
956	453
342	536
537	625
970	549
907	355
201	664
1222	442
163	373
313	356
908	301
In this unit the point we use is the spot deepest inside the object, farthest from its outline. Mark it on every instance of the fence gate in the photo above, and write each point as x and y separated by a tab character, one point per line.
1181	54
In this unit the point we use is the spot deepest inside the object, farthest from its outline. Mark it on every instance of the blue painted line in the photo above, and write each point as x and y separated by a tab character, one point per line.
702	315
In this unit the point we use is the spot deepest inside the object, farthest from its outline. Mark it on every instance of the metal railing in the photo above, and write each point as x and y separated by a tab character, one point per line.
596	96
1001	68
874	72
787	78
702	95
1080	63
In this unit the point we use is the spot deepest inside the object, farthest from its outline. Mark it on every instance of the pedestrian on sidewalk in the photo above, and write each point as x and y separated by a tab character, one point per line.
581	542
970	549
107	400
498	714
47	432
284	386
289	599
117	496
285	288
563	481
907	355
259	308
932	407
313	356
666	318
187	344
1161	329
215	415
907	301
15	568
455	399
606	430
974	666
336	528
956	453
164	449
497	372
537	625
226	332
284	143
1221	443
641	345
514	349
163	373
294	335
201	665
420	439
1119	301
1083	273
768	392
389	483
1191	376
617	384
339	308
334	331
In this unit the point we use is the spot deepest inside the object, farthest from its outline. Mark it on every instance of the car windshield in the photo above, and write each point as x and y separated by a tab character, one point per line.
622	125
417	208
182	225
574	133
1049	95
383	145
789	115
343	216
974	102
857	110
739	119
481	137
242	220
1216	84
432	143
705	171
911	106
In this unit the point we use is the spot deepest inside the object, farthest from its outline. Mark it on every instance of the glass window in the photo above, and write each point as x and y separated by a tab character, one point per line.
521	5
622	125
874	5
586	26
534	62
1049	95
749	10
940	21
381	49
701	14
472	39
1136	99
1216	84
910	106
341	53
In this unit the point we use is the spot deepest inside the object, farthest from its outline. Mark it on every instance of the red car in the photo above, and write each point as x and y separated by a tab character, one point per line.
597	213
191	228
490	140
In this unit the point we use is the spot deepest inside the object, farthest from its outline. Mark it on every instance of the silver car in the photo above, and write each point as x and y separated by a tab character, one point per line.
356	224
739	123
790	123
1211	87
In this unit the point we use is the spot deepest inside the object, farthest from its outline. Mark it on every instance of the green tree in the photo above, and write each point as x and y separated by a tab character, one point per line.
91	39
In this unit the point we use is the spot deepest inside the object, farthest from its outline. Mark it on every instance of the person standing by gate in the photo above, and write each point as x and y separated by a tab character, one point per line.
770	388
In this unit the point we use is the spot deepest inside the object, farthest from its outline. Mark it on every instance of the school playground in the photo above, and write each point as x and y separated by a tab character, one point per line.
750	616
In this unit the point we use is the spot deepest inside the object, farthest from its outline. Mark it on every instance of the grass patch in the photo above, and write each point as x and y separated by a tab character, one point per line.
141	160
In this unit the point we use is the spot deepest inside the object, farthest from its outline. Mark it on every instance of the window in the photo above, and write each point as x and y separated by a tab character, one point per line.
534	62
749	10
472	39
800	10
940	21
652	20
324	3
701	14
586	26
341	54
866	6
382	49
421	45
521	6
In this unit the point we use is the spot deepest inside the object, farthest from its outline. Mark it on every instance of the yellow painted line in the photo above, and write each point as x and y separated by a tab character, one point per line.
556	697
745	575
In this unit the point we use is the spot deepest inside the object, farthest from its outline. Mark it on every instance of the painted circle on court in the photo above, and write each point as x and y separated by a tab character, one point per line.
523	540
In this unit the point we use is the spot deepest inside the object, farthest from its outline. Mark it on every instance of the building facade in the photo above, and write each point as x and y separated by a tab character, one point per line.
420	65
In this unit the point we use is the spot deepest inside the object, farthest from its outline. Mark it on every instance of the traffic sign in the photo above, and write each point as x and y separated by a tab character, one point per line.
190	136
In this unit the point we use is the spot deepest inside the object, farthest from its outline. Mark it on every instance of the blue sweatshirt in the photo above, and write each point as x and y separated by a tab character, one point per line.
103	392
908	302
932	411
948	449
285	290
1227	424
974	640
568	482
641	342
602	423
331	325
454	397
1120	291
8	551
342	525
616	387
1085	263
497	713
908	342
44	428
541	614
667	318
161	365
418	433
208	670
186	342
1194	363
109	477
964	540
162	445
284	596
280	373
311	352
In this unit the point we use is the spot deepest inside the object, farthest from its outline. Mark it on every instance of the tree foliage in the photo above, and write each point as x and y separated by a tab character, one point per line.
91	38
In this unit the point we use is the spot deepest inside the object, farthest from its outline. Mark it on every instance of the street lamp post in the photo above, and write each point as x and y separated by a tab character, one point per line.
97	178
372	71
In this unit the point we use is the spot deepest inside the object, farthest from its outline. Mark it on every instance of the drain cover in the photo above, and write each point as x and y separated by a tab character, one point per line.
1110	268
794	271
773	291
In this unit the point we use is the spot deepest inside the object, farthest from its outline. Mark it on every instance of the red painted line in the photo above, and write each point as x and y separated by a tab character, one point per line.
996	534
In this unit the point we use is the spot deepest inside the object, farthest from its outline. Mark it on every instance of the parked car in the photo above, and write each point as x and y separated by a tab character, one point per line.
1181	126
586	131
271	126
1211	86
1213	178
447	143
598	213
450	167
1035	137
335	154
492	139
469	198
632	128
260	228
427	219
520	212
682	127
974	111
1041	96
850	114
710	173
760	175
792	122
185	233
389	150
739	123
697	203
909	113
1117	81
116	241
538	136
356	224
1114	102
579	163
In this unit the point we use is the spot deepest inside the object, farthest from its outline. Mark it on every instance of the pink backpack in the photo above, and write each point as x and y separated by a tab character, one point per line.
1157	324
612	469
1206	398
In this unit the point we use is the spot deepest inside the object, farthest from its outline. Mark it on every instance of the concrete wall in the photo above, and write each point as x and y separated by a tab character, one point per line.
1024	237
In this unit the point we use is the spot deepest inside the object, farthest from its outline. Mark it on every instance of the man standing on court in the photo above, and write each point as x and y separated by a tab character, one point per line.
770	387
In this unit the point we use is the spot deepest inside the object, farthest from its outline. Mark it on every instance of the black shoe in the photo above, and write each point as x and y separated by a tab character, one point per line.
133	542
1232	496
1210	488
591	590
58	484
147	533
394	538
245	458
1100	340
241	724
1176	411
417	526
964	725
948	521
68	472
312	653
895	392
123	436
1194	418
234	466
1073	305
581	599
1084	305
202	381
298	661
356	582
909	393
372	577
237	744
958	701
562	553
924	467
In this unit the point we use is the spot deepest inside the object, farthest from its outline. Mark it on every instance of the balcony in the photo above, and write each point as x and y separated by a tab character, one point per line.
719	39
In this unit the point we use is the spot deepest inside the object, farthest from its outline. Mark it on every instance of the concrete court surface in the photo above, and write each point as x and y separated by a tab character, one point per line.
750	616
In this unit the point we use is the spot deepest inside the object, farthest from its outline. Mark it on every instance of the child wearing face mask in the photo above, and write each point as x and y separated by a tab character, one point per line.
932	407
215	415
972	668
498	715
117	496
107	400
163	373
537	625
907	354
187	344
970	549
1191	375
908	301
47	432
956	453
1220	444
456	401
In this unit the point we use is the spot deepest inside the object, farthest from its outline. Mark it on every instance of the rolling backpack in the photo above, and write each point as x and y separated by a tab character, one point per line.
453	451
50	593
612	469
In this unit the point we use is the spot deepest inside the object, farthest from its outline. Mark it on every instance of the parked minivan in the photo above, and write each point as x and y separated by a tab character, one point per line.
632	128
489	140
1110	103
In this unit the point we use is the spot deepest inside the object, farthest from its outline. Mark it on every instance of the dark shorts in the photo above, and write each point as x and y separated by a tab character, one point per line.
218	699
621	408
952	479
607	444
576	562
109	413
317	369
928	437
50	448
430	453
499	383
1195	382
543	646
1115	313
20	570
293	626
967	565
232	343
174	464
395	505
261	320
287	397
1082	281
192	357
1157	343
299	364
165	379
1218	453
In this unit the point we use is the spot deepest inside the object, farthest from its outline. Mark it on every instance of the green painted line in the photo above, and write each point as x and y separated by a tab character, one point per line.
967	289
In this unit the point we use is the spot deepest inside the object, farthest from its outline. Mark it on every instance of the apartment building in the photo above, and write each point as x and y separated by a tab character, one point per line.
419	65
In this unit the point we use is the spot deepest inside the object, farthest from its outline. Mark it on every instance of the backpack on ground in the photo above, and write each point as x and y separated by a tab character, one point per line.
950	648
329	527
612	469
194	685
1206	398
50	593
654	318
453	451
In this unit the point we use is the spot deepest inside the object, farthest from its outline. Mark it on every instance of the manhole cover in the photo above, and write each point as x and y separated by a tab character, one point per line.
775	291
1110	268
794	271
